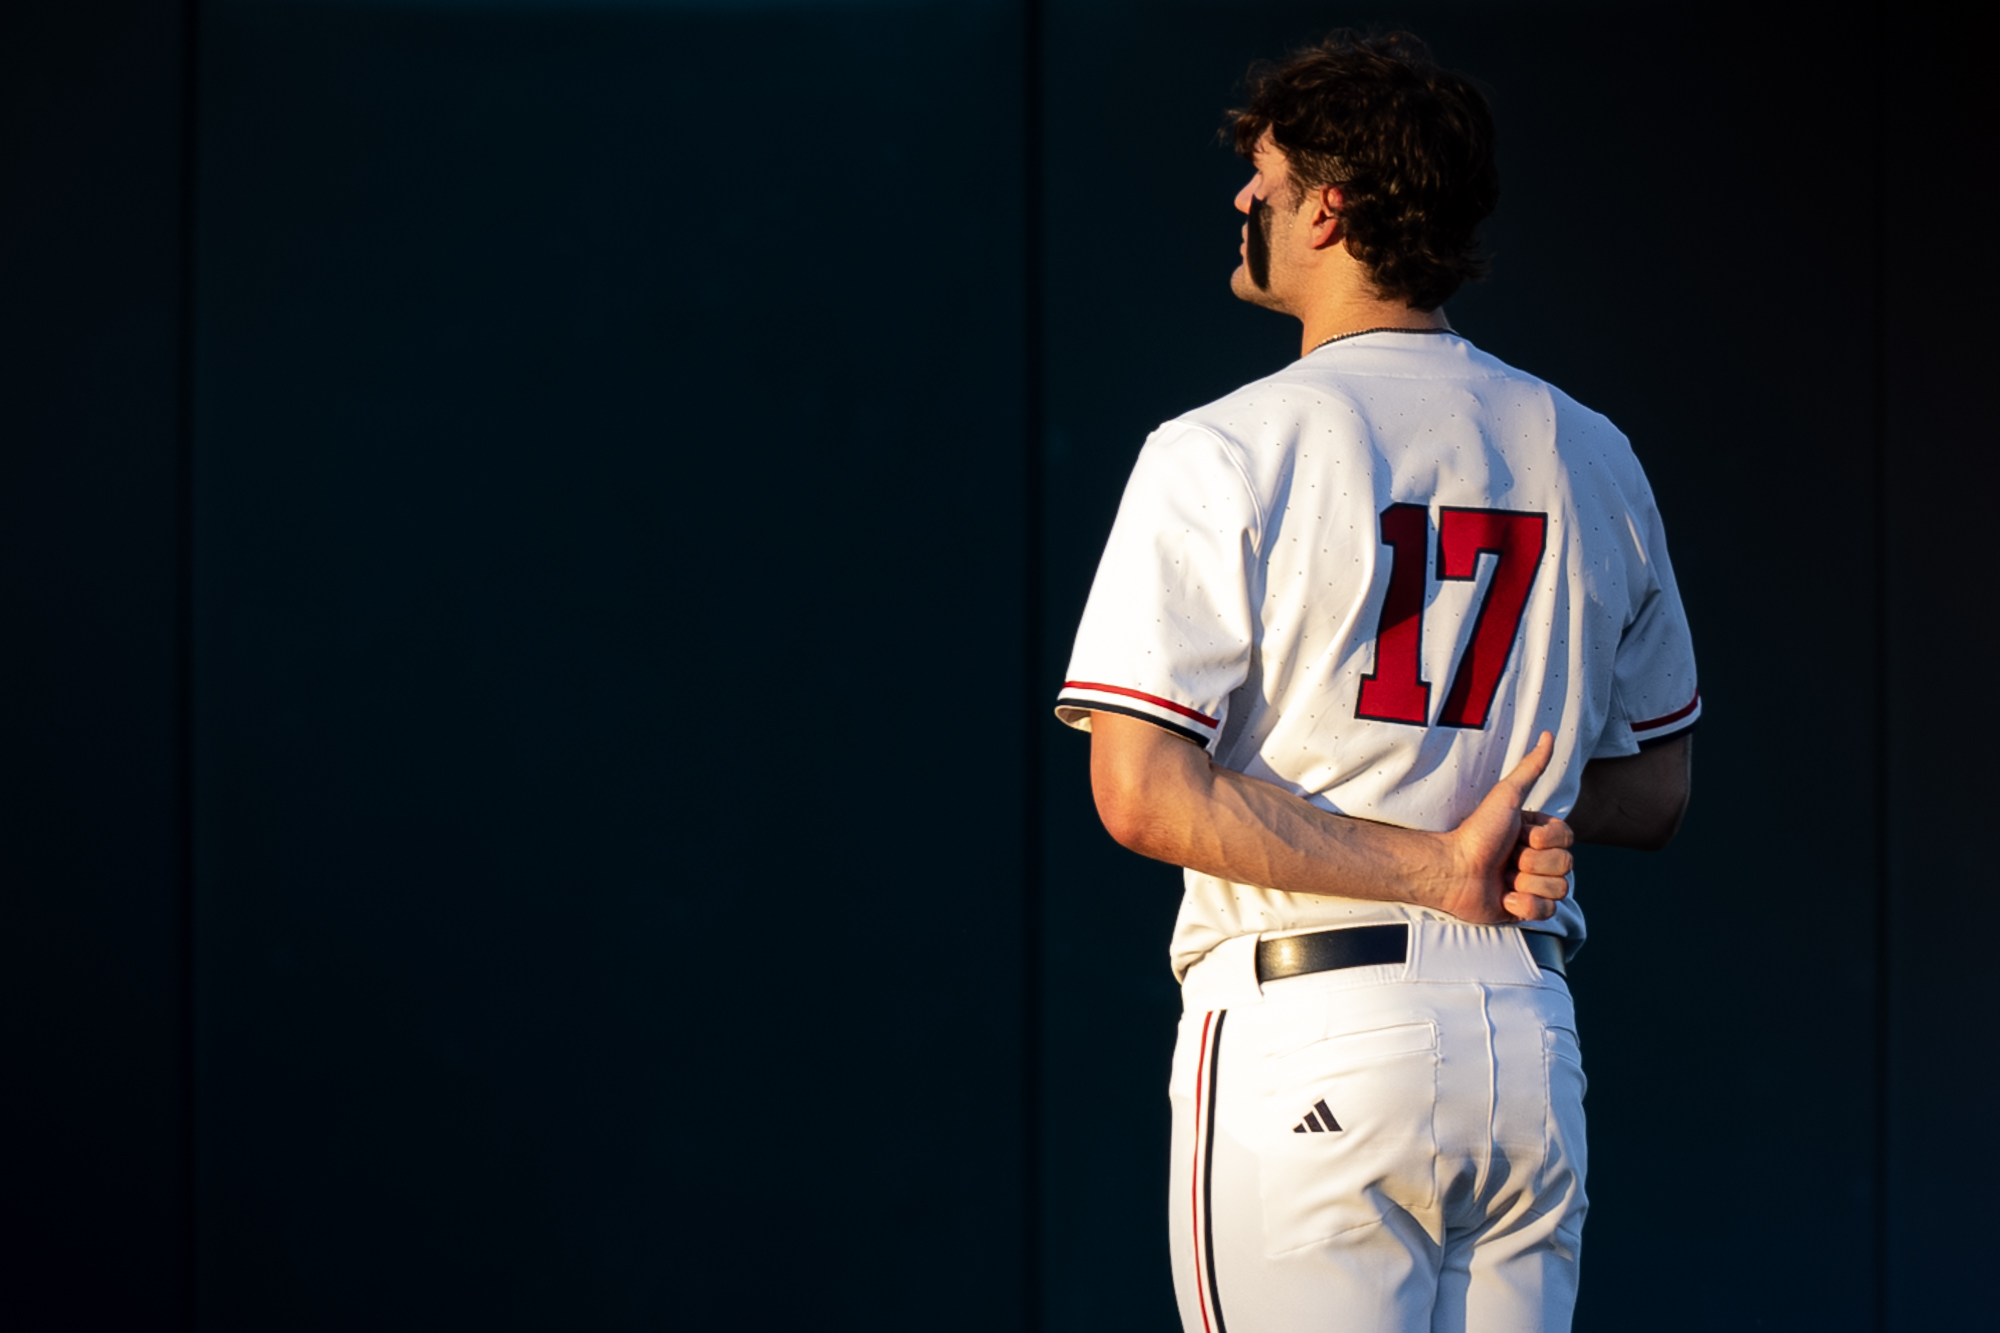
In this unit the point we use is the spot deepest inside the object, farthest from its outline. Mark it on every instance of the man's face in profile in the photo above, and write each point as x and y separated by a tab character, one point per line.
1263	202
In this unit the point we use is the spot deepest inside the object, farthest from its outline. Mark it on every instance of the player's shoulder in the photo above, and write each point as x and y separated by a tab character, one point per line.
1361	370
1586	438
1575	428
1571	418
1265	416
1602	468
1347	392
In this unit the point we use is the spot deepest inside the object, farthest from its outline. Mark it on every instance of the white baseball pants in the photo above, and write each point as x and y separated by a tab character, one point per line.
1392	1149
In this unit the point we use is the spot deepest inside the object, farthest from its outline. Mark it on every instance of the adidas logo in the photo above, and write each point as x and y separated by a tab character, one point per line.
1319	1120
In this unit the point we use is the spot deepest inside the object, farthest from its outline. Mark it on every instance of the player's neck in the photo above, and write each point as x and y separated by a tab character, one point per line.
1340	313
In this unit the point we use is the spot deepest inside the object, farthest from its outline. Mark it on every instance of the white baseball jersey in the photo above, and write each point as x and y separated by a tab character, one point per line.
1374	579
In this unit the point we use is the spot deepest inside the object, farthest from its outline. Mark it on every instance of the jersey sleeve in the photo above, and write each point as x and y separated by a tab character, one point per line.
1167	632
1655	693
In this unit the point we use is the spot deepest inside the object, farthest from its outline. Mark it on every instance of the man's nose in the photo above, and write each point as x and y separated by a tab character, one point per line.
1245	195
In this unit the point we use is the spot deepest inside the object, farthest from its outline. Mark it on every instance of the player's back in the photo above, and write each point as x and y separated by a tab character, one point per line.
1374	578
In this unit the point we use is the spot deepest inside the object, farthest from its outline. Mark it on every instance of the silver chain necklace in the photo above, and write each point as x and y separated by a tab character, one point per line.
1358	332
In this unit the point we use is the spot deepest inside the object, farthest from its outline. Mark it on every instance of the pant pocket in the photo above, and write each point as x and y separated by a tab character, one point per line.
1566	1153
1346	1133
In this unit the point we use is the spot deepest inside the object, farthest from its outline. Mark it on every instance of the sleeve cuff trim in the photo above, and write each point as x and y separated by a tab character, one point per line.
1655	724
1647	742
1185	733
1092	687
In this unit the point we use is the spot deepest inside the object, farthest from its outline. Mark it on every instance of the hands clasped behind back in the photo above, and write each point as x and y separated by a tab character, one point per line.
1159	795
1516	862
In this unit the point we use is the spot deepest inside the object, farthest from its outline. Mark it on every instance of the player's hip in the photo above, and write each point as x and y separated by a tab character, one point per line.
1454	1069
1353	1147
1449	1085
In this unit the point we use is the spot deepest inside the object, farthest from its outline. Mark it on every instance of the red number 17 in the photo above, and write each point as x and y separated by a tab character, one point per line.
1396	690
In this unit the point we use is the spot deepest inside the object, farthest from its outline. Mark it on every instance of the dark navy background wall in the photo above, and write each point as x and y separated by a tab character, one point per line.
94	1180
537	538
602	504
1940	468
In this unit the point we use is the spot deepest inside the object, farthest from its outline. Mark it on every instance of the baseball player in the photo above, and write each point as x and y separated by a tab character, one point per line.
1373	640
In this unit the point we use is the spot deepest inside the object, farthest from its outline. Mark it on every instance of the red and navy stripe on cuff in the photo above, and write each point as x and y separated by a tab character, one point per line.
1679	719
1097	697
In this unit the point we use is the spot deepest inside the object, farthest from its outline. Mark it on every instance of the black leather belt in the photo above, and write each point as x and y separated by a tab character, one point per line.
1370	946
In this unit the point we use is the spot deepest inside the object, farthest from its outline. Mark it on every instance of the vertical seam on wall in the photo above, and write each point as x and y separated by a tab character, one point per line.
1883	959
1033	718
184	652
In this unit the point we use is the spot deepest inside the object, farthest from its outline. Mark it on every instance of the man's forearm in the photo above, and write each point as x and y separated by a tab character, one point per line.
1161	797
1237	828
1636	801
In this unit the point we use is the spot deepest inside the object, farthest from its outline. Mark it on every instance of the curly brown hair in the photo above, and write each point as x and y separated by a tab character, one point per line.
1409	144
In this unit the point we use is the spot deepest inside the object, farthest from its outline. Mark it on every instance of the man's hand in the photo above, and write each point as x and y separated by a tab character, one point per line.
1512	864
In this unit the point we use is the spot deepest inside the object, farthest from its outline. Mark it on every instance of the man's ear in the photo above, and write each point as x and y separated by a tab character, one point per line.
1324	224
